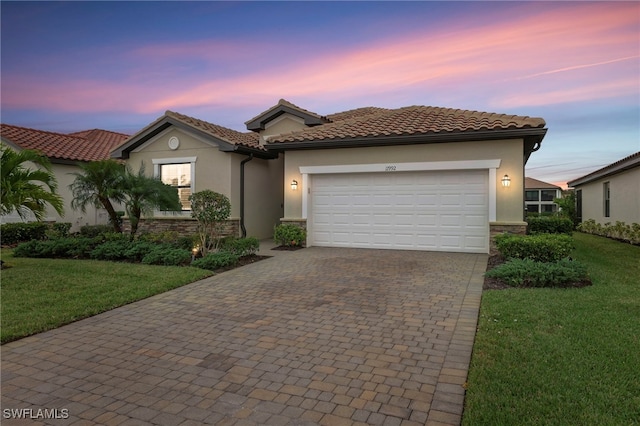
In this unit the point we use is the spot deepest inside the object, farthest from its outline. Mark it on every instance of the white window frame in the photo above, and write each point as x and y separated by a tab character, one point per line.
157	162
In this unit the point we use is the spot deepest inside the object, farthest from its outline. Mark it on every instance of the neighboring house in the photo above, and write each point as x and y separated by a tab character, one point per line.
64	151
539	196
610	194
416	178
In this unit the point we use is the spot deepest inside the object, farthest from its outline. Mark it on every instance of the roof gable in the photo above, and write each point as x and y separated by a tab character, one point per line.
531	183
258	122
88	145
227	139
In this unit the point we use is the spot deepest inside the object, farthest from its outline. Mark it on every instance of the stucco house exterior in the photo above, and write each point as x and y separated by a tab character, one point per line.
65	152
417	178
539	196
610	194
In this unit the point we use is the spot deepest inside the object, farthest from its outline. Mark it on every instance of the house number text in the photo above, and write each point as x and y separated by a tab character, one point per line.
390	169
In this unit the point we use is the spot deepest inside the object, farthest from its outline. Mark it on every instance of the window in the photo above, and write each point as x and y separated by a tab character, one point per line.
531	195
532	208
579	205
179	173
548	194
607	200
548	208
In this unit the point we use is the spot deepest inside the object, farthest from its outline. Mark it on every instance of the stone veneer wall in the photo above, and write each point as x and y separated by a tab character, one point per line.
184	226
302	223
501	228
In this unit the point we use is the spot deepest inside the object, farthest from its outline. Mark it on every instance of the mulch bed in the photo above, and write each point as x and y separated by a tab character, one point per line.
244	260
287	248
498	284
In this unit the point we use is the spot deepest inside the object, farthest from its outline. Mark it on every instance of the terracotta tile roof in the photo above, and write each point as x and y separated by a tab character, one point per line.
538	184
414	120
626	163
285	103
233	137
88	145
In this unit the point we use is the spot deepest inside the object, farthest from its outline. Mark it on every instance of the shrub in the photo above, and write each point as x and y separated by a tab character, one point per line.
111	250
213	261
69	247
549	225
92	231
240	246
13	233
61	229
529	273
172	238
540	248
620	231
165	255
211	210
289	235
137	250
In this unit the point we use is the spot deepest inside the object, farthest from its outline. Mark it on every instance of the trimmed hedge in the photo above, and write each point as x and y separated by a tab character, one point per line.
529	273
549	225
167	256
620	231
213	261
69	247
13	233
540	248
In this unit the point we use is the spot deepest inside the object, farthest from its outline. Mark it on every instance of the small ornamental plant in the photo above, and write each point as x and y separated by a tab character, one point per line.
288	235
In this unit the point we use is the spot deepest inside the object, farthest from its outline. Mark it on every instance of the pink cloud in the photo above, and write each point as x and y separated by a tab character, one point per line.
523	57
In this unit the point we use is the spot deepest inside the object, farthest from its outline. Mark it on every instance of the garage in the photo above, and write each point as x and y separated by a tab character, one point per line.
444	210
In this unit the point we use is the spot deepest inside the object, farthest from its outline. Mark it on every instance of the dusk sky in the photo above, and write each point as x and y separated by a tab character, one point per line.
119	65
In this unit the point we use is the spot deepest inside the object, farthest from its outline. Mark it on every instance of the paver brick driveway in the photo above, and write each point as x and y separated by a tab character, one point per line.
317	336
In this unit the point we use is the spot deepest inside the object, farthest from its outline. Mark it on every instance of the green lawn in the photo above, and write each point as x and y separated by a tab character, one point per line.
562	356
41	294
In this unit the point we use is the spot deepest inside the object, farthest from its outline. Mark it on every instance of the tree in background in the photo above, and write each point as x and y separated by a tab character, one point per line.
100	183
211	209
27	190
143	194
567	206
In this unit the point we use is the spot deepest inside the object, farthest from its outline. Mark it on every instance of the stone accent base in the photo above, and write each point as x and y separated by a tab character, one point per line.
184	226
302	223
501	228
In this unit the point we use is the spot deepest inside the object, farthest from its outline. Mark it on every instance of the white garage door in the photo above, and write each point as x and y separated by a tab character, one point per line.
440	211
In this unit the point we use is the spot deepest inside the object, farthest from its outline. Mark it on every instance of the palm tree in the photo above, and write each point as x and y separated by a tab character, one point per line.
99	184
144	194
27	190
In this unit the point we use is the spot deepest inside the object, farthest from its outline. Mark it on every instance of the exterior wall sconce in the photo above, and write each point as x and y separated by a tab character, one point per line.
506	181
294	184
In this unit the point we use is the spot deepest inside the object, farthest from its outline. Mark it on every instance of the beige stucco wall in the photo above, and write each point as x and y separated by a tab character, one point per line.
509	201
283	124
64	178
625	198
220	172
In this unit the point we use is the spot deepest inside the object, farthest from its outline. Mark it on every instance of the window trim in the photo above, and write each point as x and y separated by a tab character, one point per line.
606	187
157	162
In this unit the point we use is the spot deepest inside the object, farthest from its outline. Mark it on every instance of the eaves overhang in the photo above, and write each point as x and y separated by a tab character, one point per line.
620	166
531	136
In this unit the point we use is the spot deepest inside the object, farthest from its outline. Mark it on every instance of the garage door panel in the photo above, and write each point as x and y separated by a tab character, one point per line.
444	210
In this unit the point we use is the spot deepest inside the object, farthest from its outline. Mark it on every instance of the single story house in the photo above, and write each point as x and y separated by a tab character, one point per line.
610	194
539	196
416	178
64	151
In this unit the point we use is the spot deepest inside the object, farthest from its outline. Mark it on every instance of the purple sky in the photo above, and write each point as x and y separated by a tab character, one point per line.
119	65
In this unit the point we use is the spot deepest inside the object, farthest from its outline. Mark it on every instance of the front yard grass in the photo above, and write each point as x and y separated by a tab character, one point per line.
562	356
42	294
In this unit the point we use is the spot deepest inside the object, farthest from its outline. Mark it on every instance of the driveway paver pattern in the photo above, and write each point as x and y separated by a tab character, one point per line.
316	336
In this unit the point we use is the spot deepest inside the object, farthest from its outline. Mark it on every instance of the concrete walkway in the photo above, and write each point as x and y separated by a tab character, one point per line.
315	336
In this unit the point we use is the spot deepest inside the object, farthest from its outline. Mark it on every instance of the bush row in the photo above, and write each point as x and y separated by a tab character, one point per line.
13	233
540	247
620	231
530	273
549	225
149	249
540	260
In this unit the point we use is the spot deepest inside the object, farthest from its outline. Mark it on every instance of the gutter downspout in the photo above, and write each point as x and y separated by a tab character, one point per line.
242	163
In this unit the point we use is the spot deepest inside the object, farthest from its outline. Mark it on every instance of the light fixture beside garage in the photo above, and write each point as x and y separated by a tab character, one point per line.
506	181
294	184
